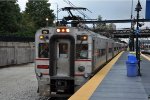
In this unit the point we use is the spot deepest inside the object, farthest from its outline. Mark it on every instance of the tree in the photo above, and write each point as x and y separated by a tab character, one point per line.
100	26
27	26
10	16
103	27
38	11
111	26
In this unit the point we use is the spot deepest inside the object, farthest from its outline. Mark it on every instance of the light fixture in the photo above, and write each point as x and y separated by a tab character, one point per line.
41	37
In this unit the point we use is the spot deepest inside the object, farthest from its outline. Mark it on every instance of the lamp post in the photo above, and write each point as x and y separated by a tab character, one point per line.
46	22
131	36
57	12
138	9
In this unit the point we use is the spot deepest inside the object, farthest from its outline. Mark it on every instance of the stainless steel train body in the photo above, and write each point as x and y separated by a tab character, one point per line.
67	56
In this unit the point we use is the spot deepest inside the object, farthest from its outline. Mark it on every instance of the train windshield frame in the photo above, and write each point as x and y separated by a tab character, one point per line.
81	51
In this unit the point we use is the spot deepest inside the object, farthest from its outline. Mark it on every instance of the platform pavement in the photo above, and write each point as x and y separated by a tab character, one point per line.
117	86
145	72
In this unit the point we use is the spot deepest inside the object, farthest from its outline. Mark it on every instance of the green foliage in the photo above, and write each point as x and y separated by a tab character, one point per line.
10	16
24	24
111	26
27	25
38	11
103	27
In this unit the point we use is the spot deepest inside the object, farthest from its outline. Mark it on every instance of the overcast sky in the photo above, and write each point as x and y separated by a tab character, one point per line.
108	9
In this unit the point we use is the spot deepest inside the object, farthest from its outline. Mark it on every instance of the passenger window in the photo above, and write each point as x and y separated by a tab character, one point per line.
63	50
82	51
98	52
115	48
110	50
43	50
103	52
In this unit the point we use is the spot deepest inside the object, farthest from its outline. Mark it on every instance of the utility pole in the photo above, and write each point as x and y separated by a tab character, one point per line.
131	38
56	9
57	12
138	9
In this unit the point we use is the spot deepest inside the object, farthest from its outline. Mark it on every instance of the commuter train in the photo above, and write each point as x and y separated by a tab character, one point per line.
145	48
66	57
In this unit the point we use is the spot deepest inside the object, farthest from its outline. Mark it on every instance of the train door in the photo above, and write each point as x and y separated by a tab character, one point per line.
61	61
63	55
61	65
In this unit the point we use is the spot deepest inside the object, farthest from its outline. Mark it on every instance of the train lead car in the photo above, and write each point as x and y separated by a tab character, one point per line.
66	57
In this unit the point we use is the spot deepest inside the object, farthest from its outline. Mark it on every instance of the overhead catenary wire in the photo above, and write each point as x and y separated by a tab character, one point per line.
72	5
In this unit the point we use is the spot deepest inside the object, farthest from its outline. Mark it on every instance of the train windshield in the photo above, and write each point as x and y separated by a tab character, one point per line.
82	51
43	50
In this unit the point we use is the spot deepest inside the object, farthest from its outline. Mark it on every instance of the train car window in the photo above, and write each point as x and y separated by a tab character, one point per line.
98	53
81	51
103	52
43	50
63	50
115	48
110	50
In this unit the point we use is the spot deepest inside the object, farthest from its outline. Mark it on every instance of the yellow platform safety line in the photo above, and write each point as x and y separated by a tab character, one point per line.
146	57
85	92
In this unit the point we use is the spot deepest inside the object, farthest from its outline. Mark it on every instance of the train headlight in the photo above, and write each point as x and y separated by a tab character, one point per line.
81	68
67	30
84	37
58	30
41	37
62	30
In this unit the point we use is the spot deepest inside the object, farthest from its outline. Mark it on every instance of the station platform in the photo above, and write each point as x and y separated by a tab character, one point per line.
112	82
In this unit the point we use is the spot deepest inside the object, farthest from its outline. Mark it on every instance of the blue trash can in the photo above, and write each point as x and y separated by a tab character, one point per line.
132	66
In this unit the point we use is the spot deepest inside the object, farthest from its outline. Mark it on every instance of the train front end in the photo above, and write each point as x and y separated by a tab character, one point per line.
63	60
